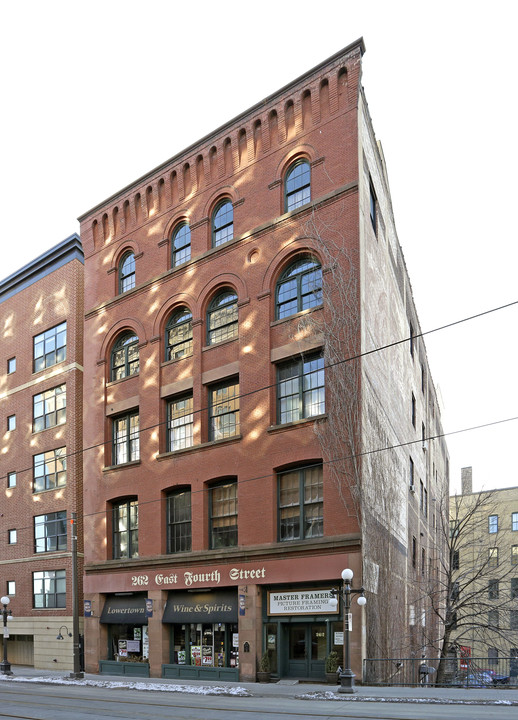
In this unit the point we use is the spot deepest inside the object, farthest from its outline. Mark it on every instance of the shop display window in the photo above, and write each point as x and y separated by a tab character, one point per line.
206	644
129	643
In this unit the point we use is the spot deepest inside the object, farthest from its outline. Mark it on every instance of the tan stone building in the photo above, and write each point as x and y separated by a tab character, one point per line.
41	384
486	565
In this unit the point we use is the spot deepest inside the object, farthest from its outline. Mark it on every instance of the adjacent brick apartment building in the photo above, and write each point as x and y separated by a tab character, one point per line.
41	393
246	437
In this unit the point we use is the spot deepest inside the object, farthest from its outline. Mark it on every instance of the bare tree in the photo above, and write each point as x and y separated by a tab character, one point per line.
467	591
361	465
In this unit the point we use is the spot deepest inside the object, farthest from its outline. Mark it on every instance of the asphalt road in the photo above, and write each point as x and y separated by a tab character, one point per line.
24	701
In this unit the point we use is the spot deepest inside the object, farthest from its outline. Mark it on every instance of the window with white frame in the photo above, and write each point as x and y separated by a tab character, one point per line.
50	470
179	423
50	347
126	438
300	389
49	408
49	589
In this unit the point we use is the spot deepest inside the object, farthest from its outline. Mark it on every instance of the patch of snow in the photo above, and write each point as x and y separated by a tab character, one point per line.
156	687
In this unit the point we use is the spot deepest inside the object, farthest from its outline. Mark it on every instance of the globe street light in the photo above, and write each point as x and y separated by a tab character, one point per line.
347	676
5	666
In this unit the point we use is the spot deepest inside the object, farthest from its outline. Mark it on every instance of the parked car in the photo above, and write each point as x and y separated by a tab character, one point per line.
478	679
497	678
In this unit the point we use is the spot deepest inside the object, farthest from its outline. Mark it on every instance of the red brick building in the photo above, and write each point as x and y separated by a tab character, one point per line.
41	393
221	479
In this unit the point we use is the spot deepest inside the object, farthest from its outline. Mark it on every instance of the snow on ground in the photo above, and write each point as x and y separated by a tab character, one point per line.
156	687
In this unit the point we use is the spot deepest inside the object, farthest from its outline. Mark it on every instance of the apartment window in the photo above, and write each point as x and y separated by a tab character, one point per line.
412	340
423	561
50	347
493	619
492	652
412	474
125	529
179	423
11	587
455	591
126	439
11	365
49	408
11	423
178	335
224	411
179	521
423	378
414	552
513	617
12	536
493	524
493	590
127	274
125	357
300	389
223	515
455	560
181	245
514	522
301	504
222	317
11	479
49	589
492	557
297	186
222	223
413	410
514	555
372	207
299	287
50	470
514	588
50	532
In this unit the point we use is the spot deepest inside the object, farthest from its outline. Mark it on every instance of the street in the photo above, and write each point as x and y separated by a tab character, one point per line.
46	702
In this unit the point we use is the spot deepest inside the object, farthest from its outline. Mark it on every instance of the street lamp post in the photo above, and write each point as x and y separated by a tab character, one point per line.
347	676
5	666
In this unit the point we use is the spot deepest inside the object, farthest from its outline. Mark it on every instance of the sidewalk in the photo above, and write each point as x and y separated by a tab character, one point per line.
283	688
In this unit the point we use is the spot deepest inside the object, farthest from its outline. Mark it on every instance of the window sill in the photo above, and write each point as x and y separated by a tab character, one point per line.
121	466
296	423
201	446
300	314
219	344
121	380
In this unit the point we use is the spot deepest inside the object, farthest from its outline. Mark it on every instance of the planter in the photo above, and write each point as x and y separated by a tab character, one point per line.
332	678
263	677
131	669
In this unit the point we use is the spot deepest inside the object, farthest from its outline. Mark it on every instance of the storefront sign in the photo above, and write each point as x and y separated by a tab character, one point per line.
301	602
124	609
201	607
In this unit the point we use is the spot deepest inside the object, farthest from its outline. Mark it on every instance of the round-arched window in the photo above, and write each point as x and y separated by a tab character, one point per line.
222	223
125	357
178	335
299	287
297	185
222	317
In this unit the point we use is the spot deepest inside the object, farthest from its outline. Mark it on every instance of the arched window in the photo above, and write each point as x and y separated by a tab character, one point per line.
299	287
181	245
222	317
178	335
125	357
127	272
222	223
297	185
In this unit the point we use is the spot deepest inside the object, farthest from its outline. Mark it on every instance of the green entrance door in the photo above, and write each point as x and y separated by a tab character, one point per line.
306	650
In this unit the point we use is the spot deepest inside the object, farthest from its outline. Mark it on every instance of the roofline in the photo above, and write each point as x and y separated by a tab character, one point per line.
357	43
62	253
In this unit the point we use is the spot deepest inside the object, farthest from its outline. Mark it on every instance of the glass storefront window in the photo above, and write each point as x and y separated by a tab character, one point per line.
129	643
206	644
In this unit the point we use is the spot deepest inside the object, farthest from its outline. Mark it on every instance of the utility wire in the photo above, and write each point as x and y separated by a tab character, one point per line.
326	367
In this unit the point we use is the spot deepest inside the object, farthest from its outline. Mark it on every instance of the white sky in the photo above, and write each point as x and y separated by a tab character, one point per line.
95	94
